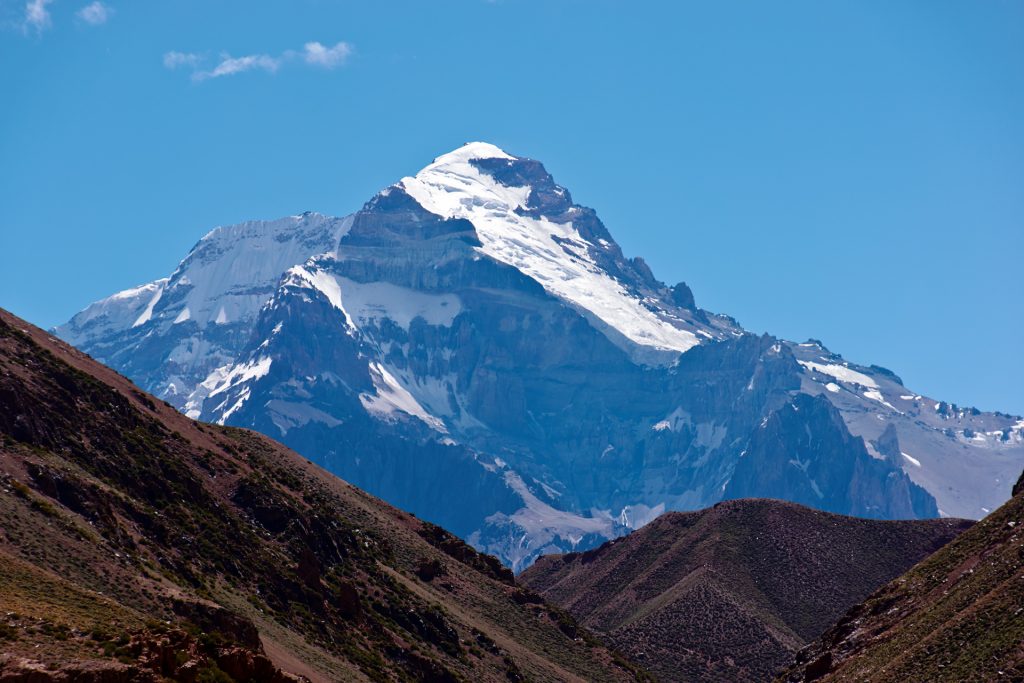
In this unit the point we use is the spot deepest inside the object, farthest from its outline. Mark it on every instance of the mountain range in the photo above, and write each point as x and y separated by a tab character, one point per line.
474	347
137	545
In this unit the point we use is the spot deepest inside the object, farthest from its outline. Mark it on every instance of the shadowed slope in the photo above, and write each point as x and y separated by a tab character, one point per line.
957	616
136	543
731	592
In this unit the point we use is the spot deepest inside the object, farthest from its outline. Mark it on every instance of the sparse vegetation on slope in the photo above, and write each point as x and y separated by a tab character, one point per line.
957	616
136	544
731	592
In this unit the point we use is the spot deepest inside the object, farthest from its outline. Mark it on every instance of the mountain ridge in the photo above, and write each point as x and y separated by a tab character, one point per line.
492	321
733	591
137	544
953	617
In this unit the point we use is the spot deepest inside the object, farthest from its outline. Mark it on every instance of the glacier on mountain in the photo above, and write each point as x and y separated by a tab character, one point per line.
473	346
552	253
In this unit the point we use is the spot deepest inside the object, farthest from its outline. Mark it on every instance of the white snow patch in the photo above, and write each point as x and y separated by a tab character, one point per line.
288	414
148	313
914	461
363	302
377	300
833	387
710	436
321	281
117	312
639	515
552	493
236	268
183	316
220	381
542	523
553	254
242	398
876	395
801	465
674	421
194	406
840	372
391	396
241	373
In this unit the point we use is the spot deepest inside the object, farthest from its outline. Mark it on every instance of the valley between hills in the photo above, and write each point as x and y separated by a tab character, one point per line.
458	436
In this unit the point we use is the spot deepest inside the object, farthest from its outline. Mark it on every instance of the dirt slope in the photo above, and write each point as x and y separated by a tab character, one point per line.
136	545
731	592
957	616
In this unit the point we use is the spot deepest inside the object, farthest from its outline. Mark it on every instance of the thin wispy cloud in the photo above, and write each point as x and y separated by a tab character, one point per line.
173	60
229	66
95	13
328	57
313	54
37	17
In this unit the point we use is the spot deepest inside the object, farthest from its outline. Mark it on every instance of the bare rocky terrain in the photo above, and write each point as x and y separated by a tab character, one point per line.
732	592
957	616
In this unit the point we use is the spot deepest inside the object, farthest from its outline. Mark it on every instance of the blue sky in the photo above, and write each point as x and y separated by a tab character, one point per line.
850	171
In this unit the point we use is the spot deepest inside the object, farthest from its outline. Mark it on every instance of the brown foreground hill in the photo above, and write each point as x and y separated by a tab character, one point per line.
139	545
957	616
732	592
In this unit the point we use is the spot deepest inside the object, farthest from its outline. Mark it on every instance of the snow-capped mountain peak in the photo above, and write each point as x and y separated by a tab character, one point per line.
233	270
123	310
469	152
547	248
173	332
473	346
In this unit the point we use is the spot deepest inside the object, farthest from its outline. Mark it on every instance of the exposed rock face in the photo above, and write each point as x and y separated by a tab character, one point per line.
473	346
804	453
682	296
888	444
730	593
